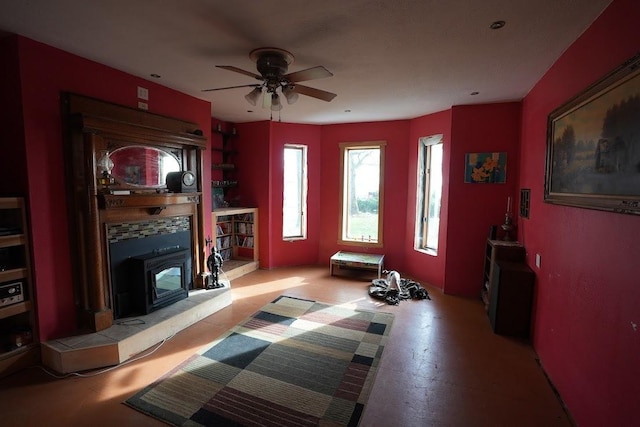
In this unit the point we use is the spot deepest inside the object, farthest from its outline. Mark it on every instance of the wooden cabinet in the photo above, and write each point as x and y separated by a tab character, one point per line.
223	168
237	239
511	298
18	332
498	250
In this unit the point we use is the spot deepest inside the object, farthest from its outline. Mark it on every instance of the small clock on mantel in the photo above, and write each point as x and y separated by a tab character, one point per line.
181	182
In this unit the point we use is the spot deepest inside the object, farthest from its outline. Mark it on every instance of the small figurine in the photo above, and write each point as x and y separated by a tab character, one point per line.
214	263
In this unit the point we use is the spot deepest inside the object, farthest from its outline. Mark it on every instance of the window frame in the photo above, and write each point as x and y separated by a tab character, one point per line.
304	186
344	149
423	192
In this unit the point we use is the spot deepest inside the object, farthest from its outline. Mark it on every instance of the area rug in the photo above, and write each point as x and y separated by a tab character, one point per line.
293	363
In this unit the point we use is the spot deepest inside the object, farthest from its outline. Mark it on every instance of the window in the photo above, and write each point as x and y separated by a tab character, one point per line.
294	197
429	195
362	166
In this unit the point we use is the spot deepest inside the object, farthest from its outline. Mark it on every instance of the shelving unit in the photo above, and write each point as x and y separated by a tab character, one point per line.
18	335
223	161
237	239
511	298
498	250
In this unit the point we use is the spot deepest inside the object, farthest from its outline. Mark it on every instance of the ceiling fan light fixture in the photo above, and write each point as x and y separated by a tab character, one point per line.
275	102
290	94
252	97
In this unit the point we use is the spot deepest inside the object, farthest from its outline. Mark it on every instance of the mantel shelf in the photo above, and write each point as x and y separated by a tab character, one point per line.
147	200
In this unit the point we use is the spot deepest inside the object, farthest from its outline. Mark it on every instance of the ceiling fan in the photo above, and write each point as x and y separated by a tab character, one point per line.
272	64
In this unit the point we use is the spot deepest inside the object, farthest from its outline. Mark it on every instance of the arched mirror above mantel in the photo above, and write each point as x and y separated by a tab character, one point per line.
140	166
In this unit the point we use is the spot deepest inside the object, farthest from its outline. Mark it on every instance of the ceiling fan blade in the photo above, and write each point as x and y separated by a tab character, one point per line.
230	87
315	93
241	71
313	73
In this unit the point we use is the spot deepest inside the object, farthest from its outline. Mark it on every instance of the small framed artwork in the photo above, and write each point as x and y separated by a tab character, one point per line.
217	198
485	168
525	202
593	145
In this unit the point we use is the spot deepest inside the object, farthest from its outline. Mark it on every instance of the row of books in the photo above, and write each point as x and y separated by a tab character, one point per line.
246	242
244	217
244	227
223	242
226	254
223	228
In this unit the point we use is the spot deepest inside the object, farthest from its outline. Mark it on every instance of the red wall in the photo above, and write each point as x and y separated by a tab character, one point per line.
254	180
295	252
396	133
45	73
475	207
587	309
586	312
13	155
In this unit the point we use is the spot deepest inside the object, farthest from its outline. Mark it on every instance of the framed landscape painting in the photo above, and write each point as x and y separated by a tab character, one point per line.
593	145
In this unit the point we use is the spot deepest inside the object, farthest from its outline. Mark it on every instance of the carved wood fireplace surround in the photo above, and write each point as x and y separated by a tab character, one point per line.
97	211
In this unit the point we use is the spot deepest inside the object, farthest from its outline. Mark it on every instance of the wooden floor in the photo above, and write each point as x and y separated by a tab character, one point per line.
443	365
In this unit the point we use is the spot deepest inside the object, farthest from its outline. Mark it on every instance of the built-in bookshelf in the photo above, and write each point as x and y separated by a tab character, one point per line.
237	239
223	170
19	345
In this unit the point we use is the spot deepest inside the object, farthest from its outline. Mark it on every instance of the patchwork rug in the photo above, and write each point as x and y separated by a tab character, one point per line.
293	363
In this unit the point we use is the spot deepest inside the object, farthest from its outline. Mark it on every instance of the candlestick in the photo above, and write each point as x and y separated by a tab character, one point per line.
509	204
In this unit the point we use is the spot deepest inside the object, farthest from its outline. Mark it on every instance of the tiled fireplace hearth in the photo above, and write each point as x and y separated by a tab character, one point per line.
133	330
129	336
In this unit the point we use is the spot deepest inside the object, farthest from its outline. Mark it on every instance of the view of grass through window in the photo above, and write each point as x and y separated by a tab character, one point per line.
362	187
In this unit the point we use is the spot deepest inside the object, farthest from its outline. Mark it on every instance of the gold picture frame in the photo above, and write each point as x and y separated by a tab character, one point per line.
593	145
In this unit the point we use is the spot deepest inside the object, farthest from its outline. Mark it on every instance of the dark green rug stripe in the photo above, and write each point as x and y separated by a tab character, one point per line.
305	369
325	339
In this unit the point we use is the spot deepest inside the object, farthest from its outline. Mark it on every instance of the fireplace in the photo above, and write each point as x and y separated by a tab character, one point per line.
160	277
139	253
99	203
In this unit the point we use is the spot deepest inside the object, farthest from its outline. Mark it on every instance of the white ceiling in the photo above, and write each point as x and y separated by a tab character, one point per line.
391	59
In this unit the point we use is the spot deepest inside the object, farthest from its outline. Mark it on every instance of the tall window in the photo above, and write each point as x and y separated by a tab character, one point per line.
294	198
429	193
362	166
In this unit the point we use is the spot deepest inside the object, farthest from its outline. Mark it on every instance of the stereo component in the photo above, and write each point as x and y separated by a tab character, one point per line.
181	182
11	293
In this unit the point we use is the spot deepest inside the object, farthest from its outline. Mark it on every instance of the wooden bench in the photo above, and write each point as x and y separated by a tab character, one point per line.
354	260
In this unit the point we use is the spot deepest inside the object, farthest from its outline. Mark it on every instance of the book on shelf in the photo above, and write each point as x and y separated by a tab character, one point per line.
223	243
242	228
247	242
226	254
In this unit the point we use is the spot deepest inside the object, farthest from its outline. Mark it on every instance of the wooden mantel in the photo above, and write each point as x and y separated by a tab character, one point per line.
92	127
146	200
